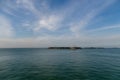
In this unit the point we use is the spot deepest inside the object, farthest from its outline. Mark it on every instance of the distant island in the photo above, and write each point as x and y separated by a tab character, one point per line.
73	48
93	48
64	48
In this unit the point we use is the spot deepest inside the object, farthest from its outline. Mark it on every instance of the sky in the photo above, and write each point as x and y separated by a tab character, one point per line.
45	23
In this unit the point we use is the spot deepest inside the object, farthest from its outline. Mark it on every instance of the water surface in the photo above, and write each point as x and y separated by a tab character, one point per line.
46	64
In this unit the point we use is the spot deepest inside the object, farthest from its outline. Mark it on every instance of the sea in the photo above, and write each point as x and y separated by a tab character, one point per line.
58	64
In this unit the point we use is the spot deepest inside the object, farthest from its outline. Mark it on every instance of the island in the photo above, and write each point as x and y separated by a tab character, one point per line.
93	48
73	48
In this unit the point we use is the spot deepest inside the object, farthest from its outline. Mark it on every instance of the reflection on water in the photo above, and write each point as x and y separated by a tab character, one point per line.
44	64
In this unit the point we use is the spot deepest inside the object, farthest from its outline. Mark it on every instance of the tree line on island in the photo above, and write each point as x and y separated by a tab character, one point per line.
75	48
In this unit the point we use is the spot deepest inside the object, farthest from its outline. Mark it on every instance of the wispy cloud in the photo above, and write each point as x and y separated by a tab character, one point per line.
105	28
51	23
6	29
50	20
28	5
89	17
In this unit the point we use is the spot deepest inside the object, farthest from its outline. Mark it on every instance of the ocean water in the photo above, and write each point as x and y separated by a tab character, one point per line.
46	64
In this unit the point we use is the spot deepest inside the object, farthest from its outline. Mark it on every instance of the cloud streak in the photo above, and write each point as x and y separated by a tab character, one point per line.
105	28
89	17
6	29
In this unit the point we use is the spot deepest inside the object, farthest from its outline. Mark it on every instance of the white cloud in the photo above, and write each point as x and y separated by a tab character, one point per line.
6	29
50	23
45	19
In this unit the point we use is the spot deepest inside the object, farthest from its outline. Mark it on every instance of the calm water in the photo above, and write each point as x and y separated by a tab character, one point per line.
44	64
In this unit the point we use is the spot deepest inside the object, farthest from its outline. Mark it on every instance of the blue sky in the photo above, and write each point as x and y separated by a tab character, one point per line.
44	23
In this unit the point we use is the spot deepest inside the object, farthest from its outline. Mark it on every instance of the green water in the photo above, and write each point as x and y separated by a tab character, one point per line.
45	64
